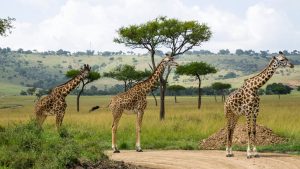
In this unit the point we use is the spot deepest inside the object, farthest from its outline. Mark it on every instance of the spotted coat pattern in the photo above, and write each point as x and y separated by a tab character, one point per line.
134	100
55	104
245	102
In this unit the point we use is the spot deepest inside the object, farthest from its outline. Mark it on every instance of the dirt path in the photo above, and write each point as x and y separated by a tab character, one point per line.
206	159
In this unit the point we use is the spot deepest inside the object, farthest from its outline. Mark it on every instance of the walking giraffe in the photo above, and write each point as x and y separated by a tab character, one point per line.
55	103
245	101
134	100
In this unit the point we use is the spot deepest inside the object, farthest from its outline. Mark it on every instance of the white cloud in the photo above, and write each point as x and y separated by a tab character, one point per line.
79	23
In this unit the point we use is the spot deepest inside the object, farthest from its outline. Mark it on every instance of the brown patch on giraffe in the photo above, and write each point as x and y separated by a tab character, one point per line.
264	136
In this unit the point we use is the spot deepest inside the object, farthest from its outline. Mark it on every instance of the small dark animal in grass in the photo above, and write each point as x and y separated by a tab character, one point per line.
94	108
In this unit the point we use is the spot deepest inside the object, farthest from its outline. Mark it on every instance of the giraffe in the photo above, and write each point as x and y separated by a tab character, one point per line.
134	100
245	101
55	103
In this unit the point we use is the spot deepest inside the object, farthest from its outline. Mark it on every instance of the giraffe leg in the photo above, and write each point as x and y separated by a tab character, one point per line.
40	118
255	154
59	120
116	119
249	134
138	131
231	123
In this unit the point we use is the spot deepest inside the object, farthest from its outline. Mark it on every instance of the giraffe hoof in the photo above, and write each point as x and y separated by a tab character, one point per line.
256	156
117	151
229	155
139	150
248	157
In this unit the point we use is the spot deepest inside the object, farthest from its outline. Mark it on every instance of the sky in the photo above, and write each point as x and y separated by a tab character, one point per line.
79	25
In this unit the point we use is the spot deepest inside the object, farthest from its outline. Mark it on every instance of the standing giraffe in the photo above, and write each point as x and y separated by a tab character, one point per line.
134	100
55	103
245	101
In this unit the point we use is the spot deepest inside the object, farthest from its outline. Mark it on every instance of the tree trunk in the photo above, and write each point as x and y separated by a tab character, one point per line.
154	98
215	97
279	96
125	86
79	94
162	88
175	99
199	93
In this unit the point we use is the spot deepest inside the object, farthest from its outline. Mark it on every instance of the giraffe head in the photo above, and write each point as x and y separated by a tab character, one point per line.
85	70
282	61
169	61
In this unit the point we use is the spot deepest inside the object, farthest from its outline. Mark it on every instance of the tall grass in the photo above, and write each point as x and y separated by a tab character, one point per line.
183	127
27	146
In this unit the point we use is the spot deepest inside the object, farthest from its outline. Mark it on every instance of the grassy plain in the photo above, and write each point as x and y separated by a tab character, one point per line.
183	127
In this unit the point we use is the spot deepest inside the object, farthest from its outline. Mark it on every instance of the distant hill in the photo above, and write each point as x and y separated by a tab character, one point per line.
19	71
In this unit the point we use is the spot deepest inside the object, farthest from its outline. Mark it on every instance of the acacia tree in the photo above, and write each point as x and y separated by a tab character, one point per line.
127	74
180	37
143	36
175	89
91	77
220	88
278	88
173	34
197	69
6	25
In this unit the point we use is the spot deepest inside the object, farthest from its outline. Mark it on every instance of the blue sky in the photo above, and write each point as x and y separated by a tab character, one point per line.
75	24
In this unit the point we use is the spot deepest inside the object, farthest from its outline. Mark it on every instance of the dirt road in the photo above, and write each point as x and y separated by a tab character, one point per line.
205	159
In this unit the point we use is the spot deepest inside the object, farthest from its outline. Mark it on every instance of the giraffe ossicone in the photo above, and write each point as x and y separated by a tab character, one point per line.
134	100
245	101
55	104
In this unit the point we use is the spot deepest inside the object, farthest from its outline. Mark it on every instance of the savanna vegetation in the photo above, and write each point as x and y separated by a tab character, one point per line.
183	127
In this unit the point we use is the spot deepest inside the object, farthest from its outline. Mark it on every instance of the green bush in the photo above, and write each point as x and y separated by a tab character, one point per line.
27	146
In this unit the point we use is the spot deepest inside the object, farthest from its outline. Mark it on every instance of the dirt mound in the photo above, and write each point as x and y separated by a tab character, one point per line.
264	136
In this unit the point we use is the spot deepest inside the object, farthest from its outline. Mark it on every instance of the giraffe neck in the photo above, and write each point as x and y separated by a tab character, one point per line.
259	80
149	83
67	87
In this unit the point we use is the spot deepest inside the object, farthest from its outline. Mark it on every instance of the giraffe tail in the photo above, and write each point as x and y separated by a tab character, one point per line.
94	108
98	107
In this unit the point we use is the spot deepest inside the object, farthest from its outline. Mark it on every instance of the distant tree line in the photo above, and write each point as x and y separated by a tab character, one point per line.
61	52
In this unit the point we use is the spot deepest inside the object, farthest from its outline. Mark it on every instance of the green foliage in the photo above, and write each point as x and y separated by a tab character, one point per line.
176	88
181	36
298	88
278	88
195	69
94	76
145	35
31	91
127	74
220	86
6	25
27	146
91	77
72	73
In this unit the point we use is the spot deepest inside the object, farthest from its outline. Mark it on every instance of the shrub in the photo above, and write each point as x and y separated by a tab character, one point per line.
27	146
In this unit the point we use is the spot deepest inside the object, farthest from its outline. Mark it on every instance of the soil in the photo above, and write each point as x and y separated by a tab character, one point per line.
205	159
104	164
264	136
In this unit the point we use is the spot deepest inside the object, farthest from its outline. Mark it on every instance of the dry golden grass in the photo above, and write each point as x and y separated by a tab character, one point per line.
183	127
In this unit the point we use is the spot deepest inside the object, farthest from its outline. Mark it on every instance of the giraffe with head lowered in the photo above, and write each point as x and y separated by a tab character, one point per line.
54	104
245	101
134	100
